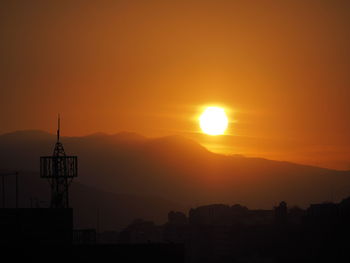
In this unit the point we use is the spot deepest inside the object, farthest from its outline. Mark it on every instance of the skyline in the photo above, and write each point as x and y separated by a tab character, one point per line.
280	70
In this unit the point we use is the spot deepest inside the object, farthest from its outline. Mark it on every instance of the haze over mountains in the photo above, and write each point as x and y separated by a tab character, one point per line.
128	175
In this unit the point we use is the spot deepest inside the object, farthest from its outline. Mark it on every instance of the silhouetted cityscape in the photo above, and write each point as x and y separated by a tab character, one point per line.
210	233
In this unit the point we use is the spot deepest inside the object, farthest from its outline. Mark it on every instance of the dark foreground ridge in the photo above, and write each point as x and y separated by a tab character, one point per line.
212	233
172	253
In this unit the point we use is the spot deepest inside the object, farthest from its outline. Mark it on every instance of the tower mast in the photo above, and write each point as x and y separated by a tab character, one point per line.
60	170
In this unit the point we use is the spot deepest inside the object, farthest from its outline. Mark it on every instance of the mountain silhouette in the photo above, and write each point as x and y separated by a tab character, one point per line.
173	168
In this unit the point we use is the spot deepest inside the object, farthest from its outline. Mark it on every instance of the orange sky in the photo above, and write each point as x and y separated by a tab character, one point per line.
280	67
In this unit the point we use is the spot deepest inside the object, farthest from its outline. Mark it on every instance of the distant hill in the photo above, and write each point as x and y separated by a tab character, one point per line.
177	169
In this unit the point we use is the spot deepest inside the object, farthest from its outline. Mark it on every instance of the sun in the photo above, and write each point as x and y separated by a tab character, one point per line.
213	121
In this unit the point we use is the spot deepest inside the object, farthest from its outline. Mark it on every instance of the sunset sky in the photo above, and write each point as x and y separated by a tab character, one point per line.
280	69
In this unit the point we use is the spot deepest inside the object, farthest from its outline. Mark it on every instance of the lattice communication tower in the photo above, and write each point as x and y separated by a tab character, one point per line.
59	169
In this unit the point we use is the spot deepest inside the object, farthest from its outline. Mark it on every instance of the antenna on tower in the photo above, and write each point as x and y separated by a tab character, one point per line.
58	127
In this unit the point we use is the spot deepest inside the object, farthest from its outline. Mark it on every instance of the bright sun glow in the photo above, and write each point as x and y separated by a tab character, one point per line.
213	121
